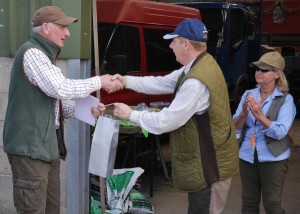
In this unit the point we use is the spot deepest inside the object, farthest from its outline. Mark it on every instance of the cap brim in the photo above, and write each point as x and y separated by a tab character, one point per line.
267	47
170	36
261	65
65	21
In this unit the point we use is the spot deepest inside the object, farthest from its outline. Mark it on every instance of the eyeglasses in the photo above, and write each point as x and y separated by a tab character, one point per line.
264	70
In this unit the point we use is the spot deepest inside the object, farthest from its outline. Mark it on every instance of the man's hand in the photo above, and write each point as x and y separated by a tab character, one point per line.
122	111
96	111
122	79
110	85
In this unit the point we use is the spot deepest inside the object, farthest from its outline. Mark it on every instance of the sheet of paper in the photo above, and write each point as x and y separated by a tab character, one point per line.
83	109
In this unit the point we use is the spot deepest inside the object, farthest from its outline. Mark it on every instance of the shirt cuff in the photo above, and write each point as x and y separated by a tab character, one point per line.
135	117
96	83
129	81
265	131
238	131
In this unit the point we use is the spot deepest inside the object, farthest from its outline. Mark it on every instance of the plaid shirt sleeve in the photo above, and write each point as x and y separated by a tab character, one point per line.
49	78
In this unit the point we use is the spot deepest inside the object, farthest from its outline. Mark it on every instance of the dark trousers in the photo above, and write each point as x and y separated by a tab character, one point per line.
264	179
36	185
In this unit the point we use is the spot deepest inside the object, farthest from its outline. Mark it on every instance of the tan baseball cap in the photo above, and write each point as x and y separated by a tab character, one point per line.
270	60
51	14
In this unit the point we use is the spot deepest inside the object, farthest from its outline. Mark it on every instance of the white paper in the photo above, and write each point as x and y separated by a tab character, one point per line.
83	109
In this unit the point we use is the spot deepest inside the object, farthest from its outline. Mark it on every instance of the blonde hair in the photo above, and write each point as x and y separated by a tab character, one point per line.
198	46
282	83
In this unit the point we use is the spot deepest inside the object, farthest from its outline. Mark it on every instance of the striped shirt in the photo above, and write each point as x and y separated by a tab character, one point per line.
191	98
49	78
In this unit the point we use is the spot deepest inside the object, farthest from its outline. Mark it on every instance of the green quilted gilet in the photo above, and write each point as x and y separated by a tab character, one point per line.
204	150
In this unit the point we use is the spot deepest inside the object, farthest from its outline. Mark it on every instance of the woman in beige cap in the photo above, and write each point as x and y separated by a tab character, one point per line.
263	118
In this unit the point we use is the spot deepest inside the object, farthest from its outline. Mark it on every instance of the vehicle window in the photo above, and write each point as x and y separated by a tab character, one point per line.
119	41
213	20
160	56
104	33
237	22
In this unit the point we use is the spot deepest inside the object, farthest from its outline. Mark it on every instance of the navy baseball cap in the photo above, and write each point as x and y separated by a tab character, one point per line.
192	29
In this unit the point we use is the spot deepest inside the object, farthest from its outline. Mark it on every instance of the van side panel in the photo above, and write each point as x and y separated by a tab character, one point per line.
146	12
131	39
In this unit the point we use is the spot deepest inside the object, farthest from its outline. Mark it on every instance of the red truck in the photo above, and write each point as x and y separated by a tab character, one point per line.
130	42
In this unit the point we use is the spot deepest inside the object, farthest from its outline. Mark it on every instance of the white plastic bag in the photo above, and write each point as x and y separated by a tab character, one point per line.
104	146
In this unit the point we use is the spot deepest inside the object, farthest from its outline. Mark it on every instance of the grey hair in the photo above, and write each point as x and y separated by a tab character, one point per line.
37	29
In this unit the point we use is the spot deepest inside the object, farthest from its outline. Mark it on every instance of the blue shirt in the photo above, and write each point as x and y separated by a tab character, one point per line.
277	130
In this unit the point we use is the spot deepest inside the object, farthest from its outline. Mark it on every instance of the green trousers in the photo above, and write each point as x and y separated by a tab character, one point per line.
264	179
36	185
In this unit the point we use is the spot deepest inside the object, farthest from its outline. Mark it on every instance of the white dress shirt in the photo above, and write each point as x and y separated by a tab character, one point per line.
191	98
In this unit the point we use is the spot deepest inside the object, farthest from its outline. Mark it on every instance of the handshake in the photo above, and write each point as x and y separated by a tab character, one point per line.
112	83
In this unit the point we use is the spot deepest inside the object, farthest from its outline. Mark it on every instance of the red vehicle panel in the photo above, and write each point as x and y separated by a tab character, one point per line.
130	42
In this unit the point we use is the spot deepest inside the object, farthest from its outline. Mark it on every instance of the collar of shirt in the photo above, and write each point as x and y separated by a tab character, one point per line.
188	66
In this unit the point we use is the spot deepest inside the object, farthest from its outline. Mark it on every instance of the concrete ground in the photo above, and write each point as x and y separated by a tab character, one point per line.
165	200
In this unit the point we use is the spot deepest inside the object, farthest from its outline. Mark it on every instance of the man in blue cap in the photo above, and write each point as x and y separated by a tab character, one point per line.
202	136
